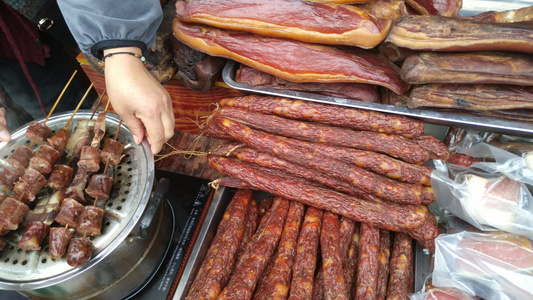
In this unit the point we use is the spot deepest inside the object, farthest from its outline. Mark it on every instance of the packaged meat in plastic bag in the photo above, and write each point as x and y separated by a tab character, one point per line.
488	201
516	167
492	265
432	292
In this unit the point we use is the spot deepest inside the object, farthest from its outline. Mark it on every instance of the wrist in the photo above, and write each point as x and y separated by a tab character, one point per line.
123	54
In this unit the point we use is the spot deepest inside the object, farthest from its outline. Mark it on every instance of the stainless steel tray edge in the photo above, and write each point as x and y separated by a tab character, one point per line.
427	116
207	232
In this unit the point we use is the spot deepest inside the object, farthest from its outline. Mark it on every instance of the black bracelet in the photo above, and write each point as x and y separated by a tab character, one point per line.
129	53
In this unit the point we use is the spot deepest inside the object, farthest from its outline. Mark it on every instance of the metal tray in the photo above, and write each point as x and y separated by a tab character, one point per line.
427	116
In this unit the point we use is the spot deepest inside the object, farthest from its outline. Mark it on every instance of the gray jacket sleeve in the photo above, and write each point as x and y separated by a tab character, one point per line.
104	24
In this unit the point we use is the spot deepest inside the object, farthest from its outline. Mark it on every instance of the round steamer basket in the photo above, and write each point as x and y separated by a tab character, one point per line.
118	252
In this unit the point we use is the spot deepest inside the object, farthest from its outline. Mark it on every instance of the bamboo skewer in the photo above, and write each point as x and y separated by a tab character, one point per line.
79	105
98	103
60	96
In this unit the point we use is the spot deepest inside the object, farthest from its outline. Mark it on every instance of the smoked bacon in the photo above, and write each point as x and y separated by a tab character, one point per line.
438	33
333	24
293	60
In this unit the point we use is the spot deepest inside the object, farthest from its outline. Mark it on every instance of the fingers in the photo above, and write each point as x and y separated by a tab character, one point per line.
159	130
5	136
135	126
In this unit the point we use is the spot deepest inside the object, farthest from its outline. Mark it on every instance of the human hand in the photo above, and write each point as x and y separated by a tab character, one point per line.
5	136
138	98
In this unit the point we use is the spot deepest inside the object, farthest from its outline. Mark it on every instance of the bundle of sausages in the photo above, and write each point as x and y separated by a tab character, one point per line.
363	165
279	249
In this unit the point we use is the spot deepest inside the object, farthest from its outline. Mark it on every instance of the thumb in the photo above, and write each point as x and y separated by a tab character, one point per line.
136	127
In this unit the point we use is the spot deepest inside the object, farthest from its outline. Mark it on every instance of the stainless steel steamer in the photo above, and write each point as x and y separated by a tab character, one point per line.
135	233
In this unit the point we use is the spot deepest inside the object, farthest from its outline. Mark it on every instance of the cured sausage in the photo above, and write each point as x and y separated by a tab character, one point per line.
12	212
383	266
250	227
325	137
278	280
332	258
37	132
275	163
60	177
321	23
58	241
427	233
346	229
59	140
33	236
354	118
306	255
367	269
289	149
401	267
90	221
438	33
44	158
79	251
383	215
89	159
253	262
220	257
350	262
293	60
20	159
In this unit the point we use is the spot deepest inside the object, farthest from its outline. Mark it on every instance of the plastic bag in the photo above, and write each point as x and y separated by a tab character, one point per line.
488	201
516	167
492	266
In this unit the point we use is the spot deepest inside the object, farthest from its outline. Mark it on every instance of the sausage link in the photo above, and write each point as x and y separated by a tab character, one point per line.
381	214
401	267
332	258
291	149
359	119
218	262
397	146
383	267
306	255
253	262
279	278
350	262
367	269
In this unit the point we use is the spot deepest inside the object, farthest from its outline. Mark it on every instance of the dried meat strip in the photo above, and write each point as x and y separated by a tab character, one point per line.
332	258
438	33
469	67
484	97
448	8
508	16
220	257
321	23
383	215
354	118
279	278
401	267
368	266
306	255
77	185
242	283
327	136
356	91
293	60
383	267
289	149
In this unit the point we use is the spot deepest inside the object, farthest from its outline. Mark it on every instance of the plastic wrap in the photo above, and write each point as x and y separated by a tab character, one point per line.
488	201
489	265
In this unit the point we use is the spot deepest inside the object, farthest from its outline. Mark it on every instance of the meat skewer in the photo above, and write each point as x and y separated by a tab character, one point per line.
38	132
